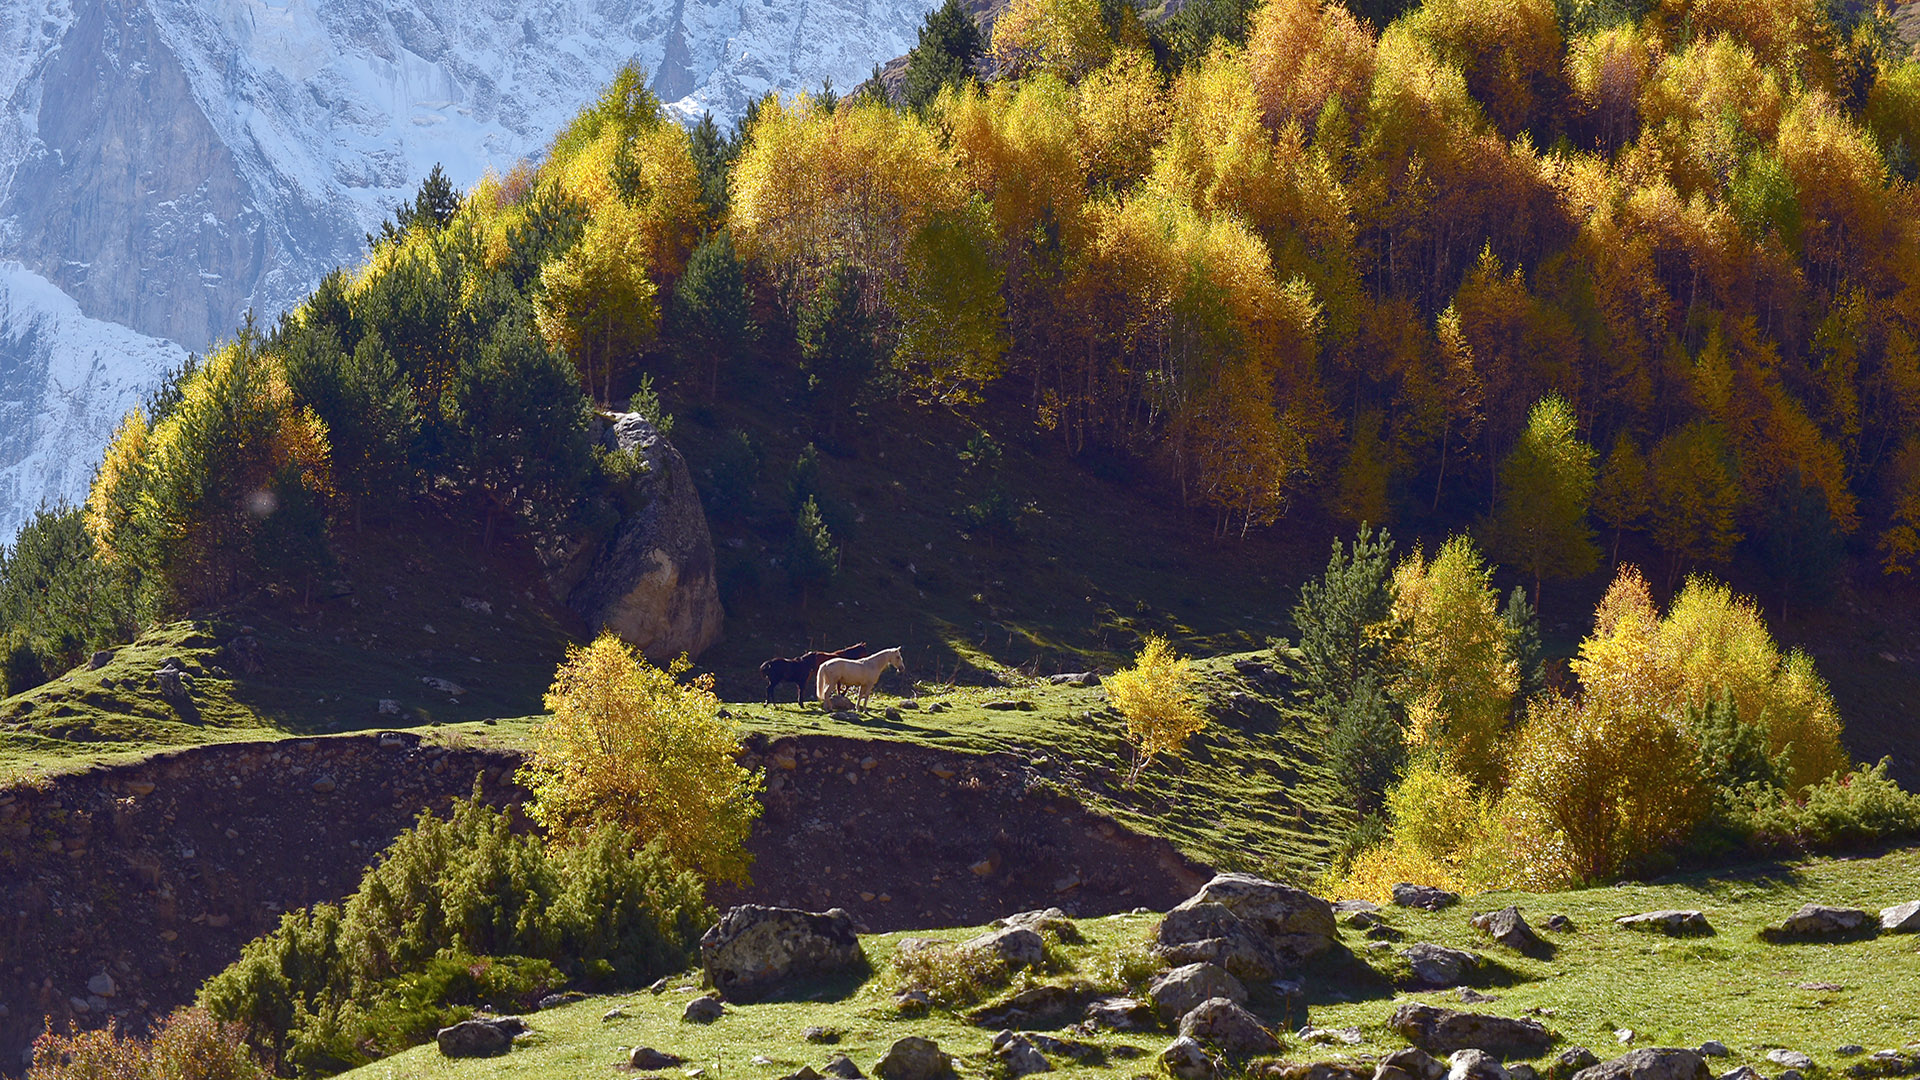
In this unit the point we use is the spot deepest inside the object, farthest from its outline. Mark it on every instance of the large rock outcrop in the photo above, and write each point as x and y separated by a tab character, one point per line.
651	580
754	952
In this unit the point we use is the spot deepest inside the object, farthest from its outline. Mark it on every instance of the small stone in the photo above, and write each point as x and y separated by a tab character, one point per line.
759	1059
1470	996
842	1066
618	1012
1475	1065
646	1057
1185	1059
474	1038
1744	1072
1671	922
102	985
79	1005
820	1035
1850	1050
1623	1036
1792	1059
1570	1061
1018	1056
389	707
704	1009
1714	1048
324	786
1438	966
805	1072
1222	1022
140	787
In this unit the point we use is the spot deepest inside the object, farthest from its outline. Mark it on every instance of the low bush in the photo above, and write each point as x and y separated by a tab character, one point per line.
188	1045
459	912
1845	810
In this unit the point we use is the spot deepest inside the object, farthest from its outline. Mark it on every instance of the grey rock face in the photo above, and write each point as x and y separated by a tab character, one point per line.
1223	1023
914	1058
1819	920
1672	922
652	582
1443	1031
753	951
1650	1064
1177	992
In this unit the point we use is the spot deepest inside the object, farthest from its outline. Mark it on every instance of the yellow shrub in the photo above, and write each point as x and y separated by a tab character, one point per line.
1156	697
630	744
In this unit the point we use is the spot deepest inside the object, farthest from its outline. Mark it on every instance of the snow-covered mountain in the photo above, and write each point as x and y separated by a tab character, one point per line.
166	165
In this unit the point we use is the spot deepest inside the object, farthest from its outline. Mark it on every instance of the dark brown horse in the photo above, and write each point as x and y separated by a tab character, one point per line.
800	669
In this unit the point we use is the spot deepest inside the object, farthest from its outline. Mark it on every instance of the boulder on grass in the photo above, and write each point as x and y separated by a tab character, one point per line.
1475	1065
1650	1064
754	952
1045	920
1672	923
1212	934
1186	1059
1443	1031
1570	1061
704	1009
1508	928
1292	922
1821	921
648	1059
1901	918
1015	946
1412	1063
1438	967
1121	1014
1223	1023
475	1038
914	1058
1018	1056
1177	992
1424	897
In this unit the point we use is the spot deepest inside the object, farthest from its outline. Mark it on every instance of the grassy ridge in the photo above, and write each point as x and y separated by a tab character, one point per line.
1733	987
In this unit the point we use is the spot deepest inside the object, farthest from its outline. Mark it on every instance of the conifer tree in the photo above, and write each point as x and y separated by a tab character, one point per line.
712	311
950	43
812	558
1540	524
836	336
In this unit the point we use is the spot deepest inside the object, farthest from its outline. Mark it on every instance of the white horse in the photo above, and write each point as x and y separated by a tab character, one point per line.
862	674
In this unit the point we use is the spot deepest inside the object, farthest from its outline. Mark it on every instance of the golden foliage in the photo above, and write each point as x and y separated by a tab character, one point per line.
1457	675
1066	38
816	187
1123	118
596	303
1507	50
1156	697
1710	644
1303	54
628	744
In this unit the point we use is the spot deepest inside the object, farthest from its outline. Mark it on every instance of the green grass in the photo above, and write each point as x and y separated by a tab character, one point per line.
1673	992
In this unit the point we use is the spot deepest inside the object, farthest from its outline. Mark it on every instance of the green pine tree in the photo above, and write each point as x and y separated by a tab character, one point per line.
712	312
949	45
837	348
812	558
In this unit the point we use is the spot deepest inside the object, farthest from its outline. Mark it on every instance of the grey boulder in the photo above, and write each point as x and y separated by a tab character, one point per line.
1211	933
1443	1031
1186	1059
1018	1056
1424	897
1177	992
1901	918
753	952
1508	928
1819	920
704	1009
914	1058
1015	946
646	1057
1675	923
1223	1023
1475	1065
1412	1063
1121	1014
475	1038
1437	966
1293	922
1570	1061
1650	1064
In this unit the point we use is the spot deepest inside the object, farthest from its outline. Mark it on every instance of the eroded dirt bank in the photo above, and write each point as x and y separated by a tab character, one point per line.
155	874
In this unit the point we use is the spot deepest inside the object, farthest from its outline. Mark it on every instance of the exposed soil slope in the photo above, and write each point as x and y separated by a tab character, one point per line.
157	873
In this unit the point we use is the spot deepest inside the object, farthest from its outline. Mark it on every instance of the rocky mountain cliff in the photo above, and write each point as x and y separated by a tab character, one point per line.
170	164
